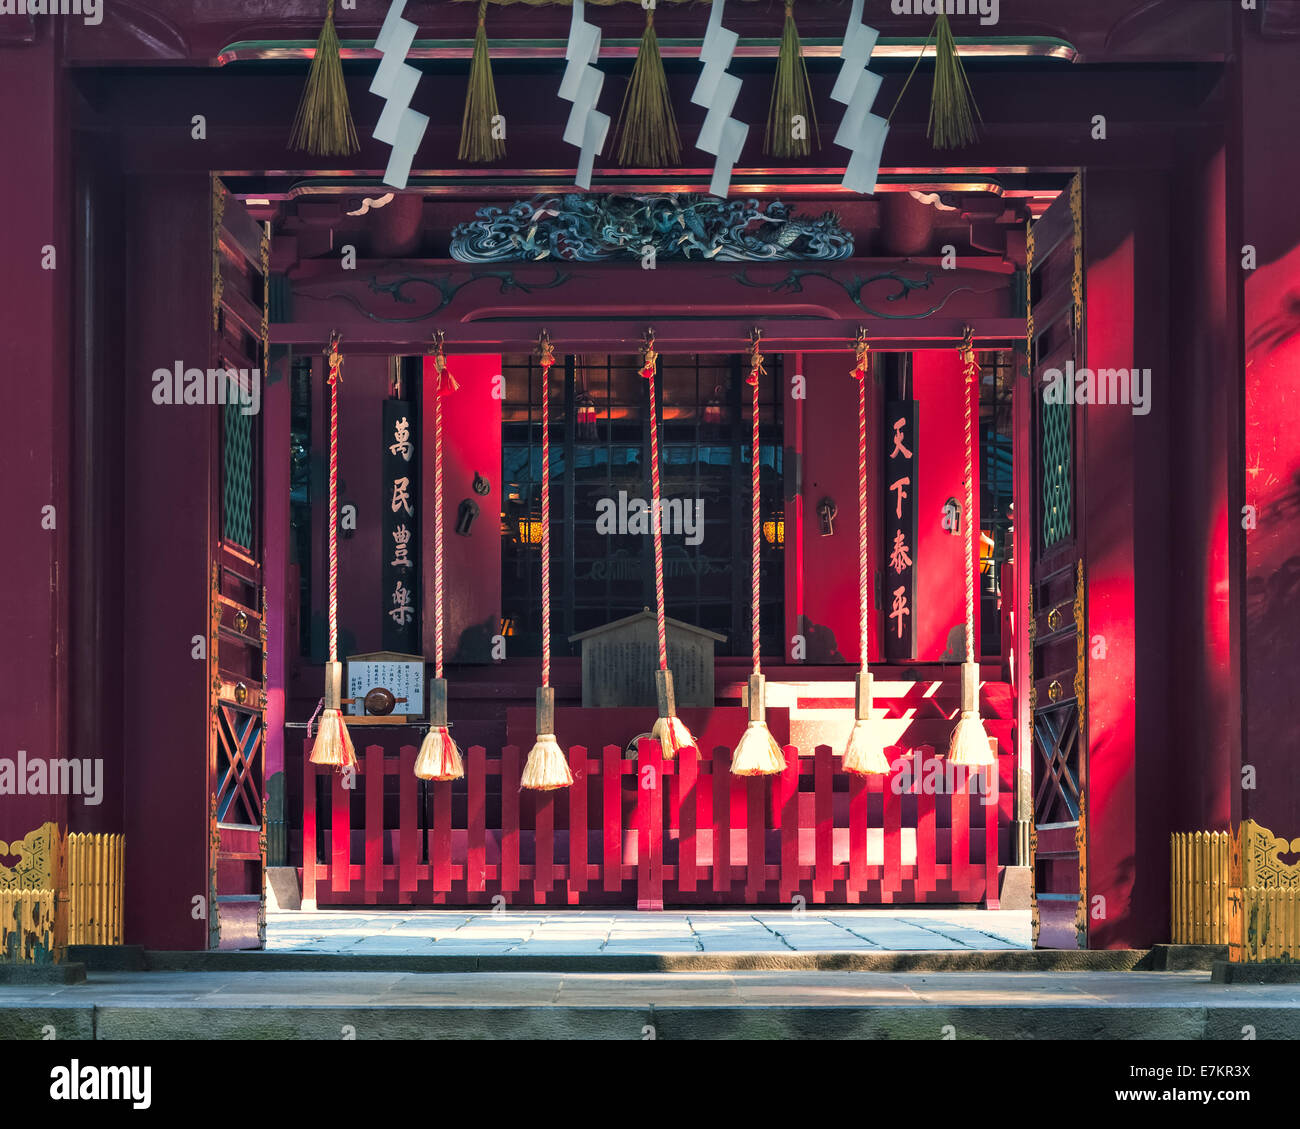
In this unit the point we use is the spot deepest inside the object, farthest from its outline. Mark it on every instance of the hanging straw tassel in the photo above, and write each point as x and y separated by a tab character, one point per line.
951	124
479	140
647	125
669	729
323	125
758	754
863	753
333	743
791	110
547	768
439	758
970	742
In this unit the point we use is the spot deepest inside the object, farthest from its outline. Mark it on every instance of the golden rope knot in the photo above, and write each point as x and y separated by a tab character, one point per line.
756	368
335	358
446	382
650	359
545	350
967	347
862	360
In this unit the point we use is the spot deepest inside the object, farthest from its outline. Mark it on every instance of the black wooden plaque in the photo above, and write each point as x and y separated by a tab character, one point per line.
899	482
400	542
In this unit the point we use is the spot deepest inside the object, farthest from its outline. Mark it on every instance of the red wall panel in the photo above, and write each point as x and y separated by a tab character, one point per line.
940	601
471	428
830	457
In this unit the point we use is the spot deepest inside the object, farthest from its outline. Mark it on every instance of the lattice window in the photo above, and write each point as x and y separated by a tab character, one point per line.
237	479
1057	473
239	765
1057	792
599	447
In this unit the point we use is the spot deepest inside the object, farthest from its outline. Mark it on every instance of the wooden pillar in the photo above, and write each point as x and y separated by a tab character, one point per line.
1265	170
35	435
276	422
1123	484
171	478
1022	539
94	572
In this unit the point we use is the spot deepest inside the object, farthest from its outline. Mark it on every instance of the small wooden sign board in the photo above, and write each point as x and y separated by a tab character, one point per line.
619	661
400	674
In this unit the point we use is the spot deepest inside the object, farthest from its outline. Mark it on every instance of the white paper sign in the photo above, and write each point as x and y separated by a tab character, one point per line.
401	679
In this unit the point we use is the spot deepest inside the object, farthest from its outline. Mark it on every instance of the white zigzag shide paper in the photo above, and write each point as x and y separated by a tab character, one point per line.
395	81
861	131
721	134
581	85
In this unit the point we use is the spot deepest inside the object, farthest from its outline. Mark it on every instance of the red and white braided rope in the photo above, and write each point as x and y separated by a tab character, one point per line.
970	372
860	371
648	371
437	523
546	521
754	540
335	365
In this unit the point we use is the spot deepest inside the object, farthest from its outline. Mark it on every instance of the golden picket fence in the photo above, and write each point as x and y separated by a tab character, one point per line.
27	928
96	880
64	890
1235	890
1202	874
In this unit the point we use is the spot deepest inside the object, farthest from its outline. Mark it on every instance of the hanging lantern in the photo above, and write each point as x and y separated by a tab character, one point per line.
715	409
530	531
586	414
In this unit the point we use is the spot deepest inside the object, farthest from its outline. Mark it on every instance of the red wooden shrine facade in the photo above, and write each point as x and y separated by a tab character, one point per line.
1193	609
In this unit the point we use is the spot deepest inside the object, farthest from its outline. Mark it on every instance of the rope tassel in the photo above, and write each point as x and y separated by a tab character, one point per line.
439	758
758	754
333	744
547	768
669	730
480	141
790	112
323	125
951	122
864	753
970	742
648	127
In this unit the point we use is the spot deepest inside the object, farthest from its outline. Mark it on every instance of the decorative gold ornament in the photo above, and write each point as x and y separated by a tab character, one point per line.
266	299
1076	285
1033	880
1029	293
218	284
1081	845
1081	643
37	865
214	851
1031	629
261	848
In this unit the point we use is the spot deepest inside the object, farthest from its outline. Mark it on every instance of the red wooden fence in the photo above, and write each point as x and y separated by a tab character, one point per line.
652	832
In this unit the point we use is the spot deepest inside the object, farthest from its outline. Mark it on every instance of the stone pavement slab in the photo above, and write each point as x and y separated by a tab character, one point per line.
763	929
703	1004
